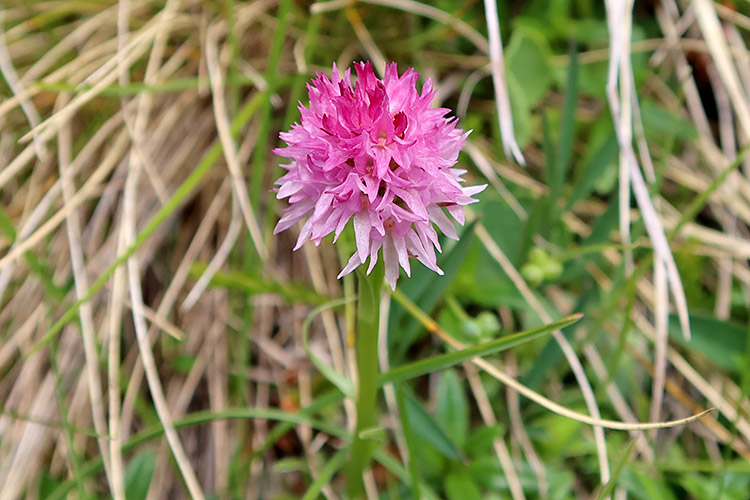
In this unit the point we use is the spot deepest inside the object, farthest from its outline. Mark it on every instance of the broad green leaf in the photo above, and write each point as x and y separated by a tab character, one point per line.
480	441
642	486
660	121
521	110
427	428
528	61
409	439
722	342
505	227
604	158
604	224
461	487
452	410
138	475
538	223
544	361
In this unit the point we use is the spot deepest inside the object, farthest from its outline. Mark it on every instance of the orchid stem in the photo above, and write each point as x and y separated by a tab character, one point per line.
368	319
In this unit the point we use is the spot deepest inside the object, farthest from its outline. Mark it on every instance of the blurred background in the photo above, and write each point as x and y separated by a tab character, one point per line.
157	341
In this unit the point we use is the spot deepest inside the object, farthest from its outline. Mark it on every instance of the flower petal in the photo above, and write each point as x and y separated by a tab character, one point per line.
390	260
362	233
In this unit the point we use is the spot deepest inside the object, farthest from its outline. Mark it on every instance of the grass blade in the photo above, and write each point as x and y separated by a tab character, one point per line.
443	361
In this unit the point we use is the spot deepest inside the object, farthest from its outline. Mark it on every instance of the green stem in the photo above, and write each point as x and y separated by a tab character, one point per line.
368	319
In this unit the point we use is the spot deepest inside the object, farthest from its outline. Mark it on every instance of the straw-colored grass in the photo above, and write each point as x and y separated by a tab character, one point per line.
141	286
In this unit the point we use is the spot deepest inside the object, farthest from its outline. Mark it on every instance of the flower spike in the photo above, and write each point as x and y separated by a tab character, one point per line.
376	153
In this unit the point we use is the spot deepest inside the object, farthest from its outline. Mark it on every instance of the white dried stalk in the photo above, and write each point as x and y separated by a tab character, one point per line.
717	44
132	264
618	401
216	78
221	255
502	102
488	416
619	18
88	330
661	314
519	432
18	88
371	48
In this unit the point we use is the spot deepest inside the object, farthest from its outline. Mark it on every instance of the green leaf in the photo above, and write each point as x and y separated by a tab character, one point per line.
183	363
461	487
567	129
452	411
550	153
607	489
427	428
47	485
6	226
394	467
528	61
409	438
443	361
138	475
528	76
604	157
325	475
480	441
290	464
521	111
255	285
723	342
661	122
424	288
645	487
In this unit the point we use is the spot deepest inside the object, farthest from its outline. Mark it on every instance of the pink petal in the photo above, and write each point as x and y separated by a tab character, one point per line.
376	152
353	264
390	260
362	233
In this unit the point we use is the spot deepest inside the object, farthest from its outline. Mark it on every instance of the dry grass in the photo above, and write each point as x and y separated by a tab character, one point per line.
129	134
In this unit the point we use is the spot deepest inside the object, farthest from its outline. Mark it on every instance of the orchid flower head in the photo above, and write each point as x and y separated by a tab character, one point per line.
377	153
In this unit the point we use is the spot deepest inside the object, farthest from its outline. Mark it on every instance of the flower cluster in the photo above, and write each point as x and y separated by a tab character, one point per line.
379	154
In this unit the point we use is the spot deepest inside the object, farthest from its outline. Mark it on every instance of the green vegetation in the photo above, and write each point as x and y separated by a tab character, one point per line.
120	220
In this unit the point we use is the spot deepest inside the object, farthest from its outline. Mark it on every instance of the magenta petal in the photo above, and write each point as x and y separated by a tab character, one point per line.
403	255
390	260
362	233
443	222
378	153
353	264
374	255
